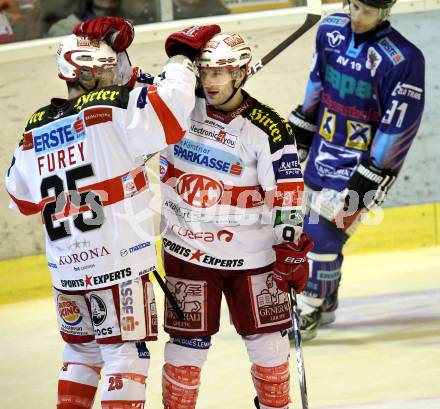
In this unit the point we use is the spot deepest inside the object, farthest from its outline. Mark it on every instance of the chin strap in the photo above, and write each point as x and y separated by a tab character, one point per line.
235	90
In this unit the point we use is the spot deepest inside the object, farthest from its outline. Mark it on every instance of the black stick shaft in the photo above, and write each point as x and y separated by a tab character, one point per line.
310	21
169	296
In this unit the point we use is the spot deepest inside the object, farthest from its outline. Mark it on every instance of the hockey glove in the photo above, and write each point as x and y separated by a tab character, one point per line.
190	41
291	265
370	184
304	128
118	32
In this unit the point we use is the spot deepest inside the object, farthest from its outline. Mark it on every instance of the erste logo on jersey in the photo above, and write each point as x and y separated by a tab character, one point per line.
390	49
208	157
198	190
58	135
337	21
59	145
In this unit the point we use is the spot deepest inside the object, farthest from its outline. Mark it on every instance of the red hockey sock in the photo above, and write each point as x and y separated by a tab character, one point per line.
72	395
272	385
77	386
180	386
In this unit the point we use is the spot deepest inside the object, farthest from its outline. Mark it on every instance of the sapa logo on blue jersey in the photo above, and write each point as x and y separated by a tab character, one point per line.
348	85
59	134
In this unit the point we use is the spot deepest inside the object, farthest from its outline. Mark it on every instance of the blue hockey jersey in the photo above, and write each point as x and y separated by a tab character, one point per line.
366	95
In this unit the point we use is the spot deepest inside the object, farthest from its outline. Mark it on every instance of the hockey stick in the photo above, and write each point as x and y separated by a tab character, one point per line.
169	296
298	350
313	16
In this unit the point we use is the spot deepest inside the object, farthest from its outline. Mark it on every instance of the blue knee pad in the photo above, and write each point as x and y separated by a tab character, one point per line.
325	260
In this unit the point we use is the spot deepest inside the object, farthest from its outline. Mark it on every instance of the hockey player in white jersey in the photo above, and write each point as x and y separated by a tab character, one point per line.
80	164
232	223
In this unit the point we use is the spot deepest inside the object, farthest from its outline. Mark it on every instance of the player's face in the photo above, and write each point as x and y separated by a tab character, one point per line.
104	76
218	84
363	18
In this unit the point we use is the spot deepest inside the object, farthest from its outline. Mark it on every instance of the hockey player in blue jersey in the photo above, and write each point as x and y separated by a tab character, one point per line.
362	109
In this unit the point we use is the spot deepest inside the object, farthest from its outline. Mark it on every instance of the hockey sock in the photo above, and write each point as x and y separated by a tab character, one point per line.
180	386
77	386
272	385
124	391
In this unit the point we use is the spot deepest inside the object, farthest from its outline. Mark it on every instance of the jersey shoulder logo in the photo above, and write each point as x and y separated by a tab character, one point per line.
373	60
39	118
335	20
391	50
268	120
335	38
116	95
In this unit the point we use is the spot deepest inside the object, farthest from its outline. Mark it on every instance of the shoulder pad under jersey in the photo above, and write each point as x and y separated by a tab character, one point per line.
114	95
278	129
38	118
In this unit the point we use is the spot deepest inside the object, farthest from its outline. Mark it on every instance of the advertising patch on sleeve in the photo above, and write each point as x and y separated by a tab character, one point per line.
391	51
270	305
288	167
28	142
338	21
94	116
191	297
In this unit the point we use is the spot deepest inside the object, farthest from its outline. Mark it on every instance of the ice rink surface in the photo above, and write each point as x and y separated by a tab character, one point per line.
383	351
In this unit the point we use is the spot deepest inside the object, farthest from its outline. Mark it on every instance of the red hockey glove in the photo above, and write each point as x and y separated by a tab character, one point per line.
118	32
190	41
291	265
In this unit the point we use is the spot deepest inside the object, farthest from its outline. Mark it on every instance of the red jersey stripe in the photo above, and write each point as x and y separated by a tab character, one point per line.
173	131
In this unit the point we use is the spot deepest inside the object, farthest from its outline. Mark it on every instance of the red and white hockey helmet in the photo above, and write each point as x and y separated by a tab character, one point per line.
76	52
225	50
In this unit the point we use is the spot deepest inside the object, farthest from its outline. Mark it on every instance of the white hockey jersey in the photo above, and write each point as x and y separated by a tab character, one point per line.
80	163
231	188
